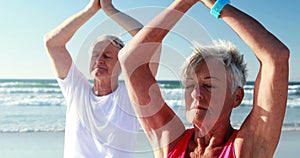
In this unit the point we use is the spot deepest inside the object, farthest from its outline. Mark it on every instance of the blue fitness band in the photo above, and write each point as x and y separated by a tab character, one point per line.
217	7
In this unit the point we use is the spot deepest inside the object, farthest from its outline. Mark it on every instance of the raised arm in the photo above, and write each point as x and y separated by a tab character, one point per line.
160	123
127	22
57	39
262	128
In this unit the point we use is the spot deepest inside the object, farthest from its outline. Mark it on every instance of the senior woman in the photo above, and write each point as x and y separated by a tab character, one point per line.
214	77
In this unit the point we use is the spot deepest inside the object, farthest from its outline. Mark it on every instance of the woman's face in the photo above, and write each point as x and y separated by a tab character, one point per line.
208	95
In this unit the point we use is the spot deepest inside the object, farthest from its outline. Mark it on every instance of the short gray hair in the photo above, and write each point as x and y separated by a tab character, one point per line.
223	51
113	39
117	42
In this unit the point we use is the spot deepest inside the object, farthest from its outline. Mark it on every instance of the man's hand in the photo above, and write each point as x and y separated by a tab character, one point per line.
95	4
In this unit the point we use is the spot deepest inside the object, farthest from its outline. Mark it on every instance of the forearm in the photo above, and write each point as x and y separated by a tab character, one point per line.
263	43
127	22
143	46
272	54
65	31
158	28
271	85
56	40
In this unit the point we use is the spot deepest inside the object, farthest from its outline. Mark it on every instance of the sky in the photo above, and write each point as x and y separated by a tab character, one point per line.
24	23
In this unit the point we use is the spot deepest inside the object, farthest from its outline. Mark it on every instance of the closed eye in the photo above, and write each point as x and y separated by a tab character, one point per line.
106	56
209	86
95	56
190	86
189	83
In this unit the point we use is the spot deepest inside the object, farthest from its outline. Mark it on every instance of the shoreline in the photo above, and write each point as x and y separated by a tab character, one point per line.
50	145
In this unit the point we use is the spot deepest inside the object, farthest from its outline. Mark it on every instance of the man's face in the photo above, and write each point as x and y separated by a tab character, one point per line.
104	61
208	95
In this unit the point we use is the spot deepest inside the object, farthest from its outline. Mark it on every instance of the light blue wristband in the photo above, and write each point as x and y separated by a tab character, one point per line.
217	7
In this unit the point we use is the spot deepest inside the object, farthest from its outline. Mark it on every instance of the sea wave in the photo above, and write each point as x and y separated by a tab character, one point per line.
291	126
32	130
285	127
32	100
29	83
39	106
14	90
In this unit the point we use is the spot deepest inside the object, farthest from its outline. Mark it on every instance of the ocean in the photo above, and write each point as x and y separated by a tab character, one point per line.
35	105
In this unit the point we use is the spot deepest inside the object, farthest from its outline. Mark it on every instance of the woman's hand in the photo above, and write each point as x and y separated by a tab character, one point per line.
107	6
189	1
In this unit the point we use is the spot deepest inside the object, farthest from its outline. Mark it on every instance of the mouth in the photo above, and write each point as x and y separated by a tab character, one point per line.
198	107
100	68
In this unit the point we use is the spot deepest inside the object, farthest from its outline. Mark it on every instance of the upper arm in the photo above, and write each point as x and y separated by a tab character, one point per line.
158	120
162	126
147	99
60	59
262	128
260	132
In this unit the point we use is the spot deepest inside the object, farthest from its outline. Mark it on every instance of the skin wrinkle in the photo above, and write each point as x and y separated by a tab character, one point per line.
272	85
215	103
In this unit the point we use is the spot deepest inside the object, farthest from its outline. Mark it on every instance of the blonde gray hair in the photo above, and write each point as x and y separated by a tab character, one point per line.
226	53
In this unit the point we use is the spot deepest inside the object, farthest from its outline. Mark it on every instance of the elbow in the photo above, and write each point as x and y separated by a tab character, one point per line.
277	56
287	53
51	43
48	44
48	41
282	55
129	61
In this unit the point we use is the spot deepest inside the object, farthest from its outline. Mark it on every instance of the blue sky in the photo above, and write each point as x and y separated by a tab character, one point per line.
24	23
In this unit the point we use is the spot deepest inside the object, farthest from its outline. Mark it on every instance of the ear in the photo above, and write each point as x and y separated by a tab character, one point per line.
238	97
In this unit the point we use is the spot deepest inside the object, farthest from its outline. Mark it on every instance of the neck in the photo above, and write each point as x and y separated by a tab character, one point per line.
215	139
104	86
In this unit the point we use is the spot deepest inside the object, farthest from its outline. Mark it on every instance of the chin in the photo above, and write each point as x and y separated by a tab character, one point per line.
204	125
99	74
190	115
202	128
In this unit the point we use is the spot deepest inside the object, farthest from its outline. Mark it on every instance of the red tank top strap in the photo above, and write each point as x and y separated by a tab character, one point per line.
179	150
228	150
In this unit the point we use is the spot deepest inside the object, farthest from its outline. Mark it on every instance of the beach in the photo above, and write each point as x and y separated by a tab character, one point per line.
31	145
50	145
32	118
289	145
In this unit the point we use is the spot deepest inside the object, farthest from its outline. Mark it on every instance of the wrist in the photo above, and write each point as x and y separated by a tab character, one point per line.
183	5
189	3
92	8
218	7
109	10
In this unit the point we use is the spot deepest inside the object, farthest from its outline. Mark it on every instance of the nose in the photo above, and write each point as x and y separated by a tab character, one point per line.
100	60
197	93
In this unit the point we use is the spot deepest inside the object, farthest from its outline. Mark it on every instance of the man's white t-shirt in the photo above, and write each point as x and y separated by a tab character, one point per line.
99	127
